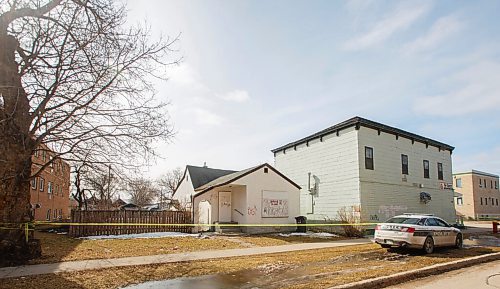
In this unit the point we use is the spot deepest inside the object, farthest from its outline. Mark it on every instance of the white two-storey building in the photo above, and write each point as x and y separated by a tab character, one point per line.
375	170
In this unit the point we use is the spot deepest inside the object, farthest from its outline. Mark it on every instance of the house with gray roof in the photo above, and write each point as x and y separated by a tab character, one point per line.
254	196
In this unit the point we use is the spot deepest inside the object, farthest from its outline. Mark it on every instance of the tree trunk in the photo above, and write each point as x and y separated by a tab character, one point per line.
15	157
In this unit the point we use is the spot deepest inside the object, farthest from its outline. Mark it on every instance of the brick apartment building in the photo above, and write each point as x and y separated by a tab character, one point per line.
50	189
478	195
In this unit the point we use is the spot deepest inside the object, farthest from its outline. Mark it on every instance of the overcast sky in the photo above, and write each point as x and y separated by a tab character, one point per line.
259	74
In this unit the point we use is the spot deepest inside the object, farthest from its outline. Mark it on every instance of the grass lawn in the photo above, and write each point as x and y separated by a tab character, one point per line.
298	270
59	248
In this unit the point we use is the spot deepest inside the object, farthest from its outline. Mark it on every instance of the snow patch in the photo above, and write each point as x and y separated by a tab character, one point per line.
309	234
141	236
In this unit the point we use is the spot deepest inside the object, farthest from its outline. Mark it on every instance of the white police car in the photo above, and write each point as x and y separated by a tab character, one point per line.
417	231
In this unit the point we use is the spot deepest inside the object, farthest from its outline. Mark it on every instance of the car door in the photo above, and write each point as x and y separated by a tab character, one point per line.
433	226
448	232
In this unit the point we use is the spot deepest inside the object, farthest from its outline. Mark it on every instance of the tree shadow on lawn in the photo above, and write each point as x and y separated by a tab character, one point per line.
49	281
56	245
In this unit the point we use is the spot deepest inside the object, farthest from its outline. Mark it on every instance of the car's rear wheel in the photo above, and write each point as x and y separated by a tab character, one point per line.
459	241
429	245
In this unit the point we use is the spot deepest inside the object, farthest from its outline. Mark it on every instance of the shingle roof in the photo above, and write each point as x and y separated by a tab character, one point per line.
227	179
202	175
359	121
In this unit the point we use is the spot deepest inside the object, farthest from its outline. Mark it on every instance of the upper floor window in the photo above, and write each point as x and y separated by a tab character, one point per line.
460	201
480	183
48	215
486	201
440	171
491	184
458	182
42	181
33	183
496	185
481	201
49	187
404	164
369	158
426	169
36	152
44	156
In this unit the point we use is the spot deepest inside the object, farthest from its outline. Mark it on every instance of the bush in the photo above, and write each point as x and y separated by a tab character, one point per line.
347	215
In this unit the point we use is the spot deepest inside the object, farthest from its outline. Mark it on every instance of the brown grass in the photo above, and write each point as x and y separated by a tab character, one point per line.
315	269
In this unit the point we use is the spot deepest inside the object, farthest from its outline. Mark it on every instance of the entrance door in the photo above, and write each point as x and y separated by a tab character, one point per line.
204	215
224	206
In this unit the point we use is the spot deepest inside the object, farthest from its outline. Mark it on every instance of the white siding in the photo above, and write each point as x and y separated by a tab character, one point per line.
383	191
335	162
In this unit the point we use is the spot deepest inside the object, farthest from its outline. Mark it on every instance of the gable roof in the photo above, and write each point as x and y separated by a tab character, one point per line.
202	175
227	179
359	121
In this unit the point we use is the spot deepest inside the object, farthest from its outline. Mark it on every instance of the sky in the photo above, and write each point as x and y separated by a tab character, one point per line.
259	74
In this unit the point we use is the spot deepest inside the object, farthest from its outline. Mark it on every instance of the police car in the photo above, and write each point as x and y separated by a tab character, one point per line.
417	231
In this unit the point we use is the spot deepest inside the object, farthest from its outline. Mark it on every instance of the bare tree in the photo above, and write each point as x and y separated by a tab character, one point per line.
142	191
104	188
74	78
170	180
80	193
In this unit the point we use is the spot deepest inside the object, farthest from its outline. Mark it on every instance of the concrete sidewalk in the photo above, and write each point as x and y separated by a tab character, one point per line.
30	270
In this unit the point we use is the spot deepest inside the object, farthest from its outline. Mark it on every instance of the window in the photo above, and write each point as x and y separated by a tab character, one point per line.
441	223
485	201
431	222
49	188
460	201
404	164
36	153
480	183
497	201
426	169
481	201
44	156
491	184
266	170
440	171
369	158
55	213
48	215
33	183
458	183
496	185
60	213
41	184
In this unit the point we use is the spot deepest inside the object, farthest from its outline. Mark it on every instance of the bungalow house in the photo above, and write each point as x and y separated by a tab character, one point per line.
258	195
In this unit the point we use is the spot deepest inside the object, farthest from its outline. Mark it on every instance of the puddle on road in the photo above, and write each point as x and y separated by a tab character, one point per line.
206	281
480	241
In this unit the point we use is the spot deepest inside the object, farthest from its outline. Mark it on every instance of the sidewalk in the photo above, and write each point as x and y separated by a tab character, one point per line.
30	270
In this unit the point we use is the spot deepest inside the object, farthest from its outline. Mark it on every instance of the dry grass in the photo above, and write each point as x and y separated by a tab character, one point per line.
59	248
297	270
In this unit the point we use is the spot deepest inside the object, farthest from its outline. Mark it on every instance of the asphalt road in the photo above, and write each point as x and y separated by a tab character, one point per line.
482	276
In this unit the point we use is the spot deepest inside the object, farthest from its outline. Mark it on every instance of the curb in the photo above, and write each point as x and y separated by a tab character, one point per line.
384	281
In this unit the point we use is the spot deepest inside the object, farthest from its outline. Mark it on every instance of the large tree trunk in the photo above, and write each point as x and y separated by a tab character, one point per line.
15	157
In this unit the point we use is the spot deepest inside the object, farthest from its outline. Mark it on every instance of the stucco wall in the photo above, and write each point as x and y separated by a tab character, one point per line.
472	194
385	191
334	160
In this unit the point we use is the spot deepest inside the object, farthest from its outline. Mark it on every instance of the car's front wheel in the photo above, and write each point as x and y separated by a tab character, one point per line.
459	241
429	245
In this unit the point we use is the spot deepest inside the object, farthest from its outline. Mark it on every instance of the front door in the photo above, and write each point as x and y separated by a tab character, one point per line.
224	206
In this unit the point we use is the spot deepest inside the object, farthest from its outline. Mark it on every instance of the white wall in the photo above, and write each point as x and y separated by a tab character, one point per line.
185	190
383	191
335	162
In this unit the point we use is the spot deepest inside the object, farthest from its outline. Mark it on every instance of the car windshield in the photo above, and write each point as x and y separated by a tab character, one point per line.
403	220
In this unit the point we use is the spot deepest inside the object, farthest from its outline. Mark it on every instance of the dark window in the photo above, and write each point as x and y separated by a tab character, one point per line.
491	184
426	169
458	183
480	183
481	201
33	183
41	184
440	171
431	222
485	201
266	170
496	185
48	215
369	158
404	164
403	220
441	223
460	201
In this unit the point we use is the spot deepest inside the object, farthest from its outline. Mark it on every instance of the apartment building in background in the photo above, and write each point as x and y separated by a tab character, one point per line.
477	195
377	170
50	189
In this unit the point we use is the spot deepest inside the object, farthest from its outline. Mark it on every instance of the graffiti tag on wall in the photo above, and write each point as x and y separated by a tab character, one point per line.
391	211
274	208
252	210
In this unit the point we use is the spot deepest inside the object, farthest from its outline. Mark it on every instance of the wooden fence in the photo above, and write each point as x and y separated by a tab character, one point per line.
127	217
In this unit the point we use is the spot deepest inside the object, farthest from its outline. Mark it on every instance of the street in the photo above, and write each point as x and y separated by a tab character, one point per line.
483	276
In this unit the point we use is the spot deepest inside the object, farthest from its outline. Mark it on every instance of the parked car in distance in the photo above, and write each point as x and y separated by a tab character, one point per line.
417	231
